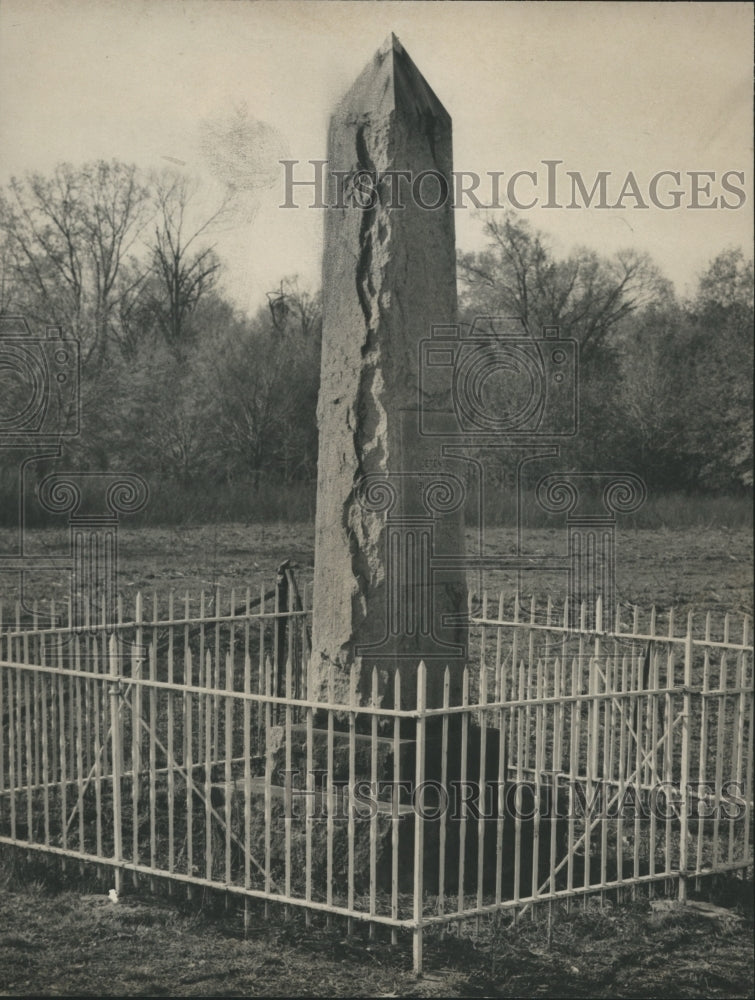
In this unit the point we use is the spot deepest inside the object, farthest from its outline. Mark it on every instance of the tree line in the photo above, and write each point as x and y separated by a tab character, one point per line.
206	401
665	384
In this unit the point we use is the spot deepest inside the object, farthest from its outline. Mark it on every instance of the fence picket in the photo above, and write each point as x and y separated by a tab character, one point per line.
609	685
309	810
11	683
289	774
443	830
622	757
668	748
4	782
350	828
28	730
136	733
654	772
116	735
95	717
519	786
207	764
738	752
395	793
216	682
80	760
482	807
558	726
188	757
573	772
331	795
374	701
98	748
246	738
152	754
748	756
228	788
462	786
171	764
539	767
421	703
502	786
37	695
268	689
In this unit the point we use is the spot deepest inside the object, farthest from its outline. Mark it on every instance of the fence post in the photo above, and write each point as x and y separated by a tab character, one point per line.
418	819
684	778
115	730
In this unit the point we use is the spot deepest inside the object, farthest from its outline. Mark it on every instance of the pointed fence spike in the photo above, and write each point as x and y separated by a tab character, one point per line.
421	686
353	684
483	687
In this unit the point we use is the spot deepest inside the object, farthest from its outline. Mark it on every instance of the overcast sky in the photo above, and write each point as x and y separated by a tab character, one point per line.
600	86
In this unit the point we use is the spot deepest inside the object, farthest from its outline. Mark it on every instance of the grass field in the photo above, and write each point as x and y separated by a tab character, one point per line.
61	936
700	568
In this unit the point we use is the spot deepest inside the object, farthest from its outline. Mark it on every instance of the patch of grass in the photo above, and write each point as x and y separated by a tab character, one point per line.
676	511
672	511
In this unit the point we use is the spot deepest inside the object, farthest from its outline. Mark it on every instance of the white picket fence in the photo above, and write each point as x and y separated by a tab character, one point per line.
179	744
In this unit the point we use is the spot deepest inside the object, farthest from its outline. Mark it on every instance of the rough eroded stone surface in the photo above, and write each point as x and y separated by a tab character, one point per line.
388	276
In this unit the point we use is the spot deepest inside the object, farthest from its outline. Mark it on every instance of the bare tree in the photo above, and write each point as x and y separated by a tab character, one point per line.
67	239
586	294
183	269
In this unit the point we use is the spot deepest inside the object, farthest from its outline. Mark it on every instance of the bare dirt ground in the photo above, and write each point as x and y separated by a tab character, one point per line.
61	943
57	938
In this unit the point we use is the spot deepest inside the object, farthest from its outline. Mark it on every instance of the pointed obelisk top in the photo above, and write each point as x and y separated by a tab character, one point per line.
391	81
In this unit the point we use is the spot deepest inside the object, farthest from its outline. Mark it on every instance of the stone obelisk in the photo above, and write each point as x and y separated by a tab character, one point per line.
387	505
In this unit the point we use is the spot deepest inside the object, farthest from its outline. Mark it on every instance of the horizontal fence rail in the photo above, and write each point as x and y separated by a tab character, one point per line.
178	743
